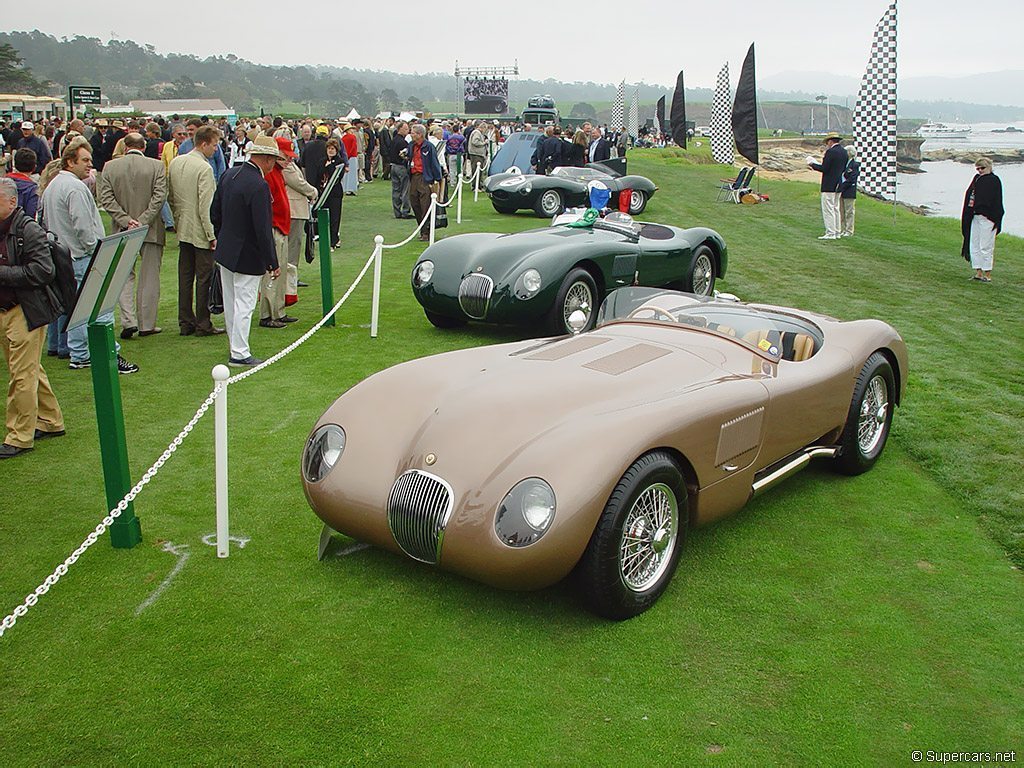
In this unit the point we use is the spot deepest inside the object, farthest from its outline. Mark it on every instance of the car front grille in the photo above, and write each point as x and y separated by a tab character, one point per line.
419	506
475	295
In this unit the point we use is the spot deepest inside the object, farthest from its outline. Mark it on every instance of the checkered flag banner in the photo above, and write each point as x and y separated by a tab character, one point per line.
721	119
619	107
633	125
874	117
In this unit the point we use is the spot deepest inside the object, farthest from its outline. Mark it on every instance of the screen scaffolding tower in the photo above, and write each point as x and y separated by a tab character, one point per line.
461	73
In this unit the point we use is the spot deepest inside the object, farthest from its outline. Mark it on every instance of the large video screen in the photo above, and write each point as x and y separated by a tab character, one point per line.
486	96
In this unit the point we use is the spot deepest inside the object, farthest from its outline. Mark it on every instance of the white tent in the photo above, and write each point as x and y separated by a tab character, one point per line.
407	116
353	115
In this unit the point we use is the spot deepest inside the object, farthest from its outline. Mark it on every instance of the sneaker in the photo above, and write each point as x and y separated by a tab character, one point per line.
79	365
829	237
9	451
124	367
245	362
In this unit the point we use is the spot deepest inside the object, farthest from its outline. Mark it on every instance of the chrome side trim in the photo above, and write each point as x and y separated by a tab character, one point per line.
791	467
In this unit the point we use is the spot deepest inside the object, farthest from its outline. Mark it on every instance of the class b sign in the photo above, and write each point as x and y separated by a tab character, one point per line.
85	94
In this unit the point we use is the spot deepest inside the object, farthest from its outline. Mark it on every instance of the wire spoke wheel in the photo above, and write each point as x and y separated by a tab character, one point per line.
873	411
579	297
649	537
703	274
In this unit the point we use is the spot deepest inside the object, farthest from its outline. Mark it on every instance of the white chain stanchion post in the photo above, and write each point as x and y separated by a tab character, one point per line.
458	205
220	450
433	216
476	184
378	248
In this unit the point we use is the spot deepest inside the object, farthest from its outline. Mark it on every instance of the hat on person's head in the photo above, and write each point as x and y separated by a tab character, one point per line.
285	146
118	124
833	137
346	126
323	130
264	145
27	126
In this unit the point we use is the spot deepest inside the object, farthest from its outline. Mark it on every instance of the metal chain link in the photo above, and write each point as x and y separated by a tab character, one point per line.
122	505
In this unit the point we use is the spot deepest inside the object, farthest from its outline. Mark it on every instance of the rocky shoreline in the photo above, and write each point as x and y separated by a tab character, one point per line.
997	156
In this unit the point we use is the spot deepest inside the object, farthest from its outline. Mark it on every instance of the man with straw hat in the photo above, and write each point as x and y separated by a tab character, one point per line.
241	214
831	167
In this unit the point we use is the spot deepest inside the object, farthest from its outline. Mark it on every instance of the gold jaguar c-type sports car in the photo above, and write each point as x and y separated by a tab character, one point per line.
593	454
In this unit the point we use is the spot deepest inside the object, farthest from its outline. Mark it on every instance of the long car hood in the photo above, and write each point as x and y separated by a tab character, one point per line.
502	398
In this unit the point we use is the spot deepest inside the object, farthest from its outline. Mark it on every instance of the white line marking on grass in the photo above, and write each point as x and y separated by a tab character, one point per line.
210	540
181	550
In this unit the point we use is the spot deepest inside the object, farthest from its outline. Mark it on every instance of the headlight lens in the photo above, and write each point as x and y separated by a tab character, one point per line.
424	273
526	512
322	452
528	284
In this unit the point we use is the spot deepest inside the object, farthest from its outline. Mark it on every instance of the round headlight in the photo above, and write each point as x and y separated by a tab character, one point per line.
526	512
323	449
528	284
424	273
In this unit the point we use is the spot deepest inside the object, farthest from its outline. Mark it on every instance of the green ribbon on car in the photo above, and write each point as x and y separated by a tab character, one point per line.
589	217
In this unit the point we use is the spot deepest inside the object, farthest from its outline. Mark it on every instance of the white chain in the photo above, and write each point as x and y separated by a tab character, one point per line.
93	537
122	505
419	228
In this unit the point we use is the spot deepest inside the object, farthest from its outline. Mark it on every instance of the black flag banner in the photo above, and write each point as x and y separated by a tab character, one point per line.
744	111
659	115
679	113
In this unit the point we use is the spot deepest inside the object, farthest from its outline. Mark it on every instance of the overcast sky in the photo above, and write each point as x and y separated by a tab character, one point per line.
600	40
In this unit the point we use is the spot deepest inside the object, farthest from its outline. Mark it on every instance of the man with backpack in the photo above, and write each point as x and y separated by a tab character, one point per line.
26	269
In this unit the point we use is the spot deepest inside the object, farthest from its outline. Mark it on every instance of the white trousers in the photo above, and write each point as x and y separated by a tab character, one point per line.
239	303
830	212
983	243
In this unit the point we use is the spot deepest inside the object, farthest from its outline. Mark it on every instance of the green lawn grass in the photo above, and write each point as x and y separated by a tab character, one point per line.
833	621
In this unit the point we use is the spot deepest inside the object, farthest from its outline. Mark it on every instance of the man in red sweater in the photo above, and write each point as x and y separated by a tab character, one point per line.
273	288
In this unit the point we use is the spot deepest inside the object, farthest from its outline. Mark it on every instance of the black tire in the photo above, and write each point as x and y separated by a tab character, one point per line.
874	397
443	321
574	288
611	588
549	203
701	274
637	201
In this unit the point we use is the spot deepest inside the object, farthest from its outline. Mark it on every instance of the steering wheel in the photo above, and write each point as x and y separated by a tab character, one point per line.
656	313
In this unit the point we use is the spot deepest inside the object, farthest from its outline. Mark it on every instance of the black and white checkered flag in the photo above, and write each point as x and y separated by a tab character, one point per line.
874	118
619	108
721	119
633	124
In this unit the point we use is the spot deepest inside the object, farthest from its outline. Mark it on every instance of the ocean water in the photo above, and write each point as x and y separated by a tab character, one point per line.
942	185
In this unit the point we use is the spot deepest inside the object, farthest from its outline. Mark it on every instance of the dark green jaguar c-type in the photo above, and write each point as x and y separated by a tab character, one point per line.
540	277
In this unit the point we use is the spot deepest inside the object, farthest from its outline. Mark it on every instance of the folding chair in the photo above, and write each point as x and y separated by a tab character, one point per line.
731	189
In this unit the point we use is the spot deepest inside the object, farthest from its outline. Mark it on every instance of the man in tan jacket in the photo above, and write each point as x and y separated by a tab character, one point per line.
191	192
300	194
132	190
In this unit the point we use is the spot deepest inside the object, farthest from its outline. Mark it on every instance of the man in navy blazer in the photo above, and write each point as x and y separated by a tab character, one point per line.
831	167
245	244
600	149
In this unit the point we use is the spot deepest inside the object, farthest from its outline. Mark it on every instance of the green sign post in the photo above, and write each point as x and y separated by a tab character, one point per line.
108	271
323	219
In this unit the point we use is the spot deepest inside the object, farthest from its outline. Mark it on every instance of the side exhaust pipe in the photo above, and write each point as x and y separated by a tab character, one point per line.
791	467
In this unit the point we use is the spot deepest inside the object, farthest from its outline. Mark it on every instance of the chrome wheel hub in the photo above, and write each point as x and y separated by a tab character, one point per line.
874	410
649	536
636	199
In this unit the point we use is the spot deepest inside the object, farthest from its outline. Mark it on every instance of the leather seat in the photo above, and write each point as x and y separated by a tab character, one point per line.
803	347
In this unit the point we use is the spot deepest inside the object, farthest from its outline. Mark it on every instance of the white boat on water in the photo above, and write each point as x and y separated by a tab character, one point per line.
942	131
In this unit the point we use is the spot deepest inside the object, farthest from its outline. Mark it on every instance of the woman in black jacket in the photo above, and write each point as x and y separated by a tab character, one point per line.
335	159
576	151
982	219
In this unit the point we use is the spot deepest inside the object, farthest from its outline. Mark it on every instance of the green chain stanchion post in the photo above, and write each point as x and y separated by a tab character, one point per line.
126	531
326	278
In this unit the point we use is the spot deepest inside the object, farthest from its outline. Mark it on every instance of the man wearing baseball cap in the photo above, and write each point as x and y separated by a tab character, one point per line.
29	140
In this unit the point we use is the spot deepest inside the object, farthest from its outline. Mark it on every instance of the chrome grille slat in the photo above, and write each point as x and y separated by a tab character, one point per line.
419	507
475	295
